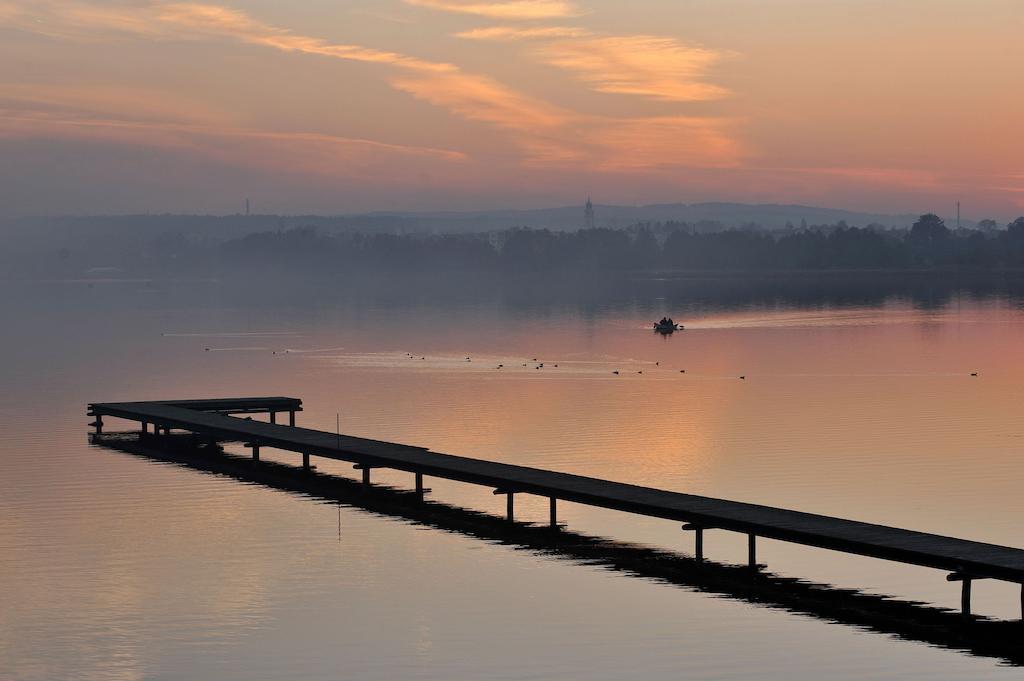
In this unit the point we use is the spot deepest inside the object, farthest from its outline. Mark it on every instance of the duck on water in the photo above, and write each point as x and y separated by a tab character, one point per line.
666	325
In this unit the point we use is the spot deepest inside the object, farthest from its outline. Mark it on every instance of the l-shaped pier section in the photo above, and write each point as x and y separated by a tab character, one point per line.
216	420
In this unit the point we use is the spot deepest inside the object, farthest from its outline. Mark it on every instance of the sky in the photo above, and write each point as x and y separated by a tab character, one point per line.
342	106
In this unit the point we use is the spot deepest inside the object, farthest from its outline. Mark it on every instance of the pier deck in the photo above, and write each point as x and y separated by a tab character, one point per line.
965	560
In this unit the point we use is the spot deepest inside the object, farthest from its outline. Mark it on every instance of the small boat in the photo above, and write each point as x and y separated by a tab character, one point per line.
666	327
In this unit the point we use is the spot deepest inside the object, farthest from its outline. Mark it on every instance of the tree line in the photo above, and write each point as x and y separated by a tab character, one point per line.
929	244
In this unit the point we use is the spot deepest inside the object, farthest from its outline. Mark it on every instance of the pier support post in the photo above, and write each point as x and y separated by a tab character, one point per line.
419	486
305	461
291	419
98	424
553	513
752	551
366	472
273	417
509	502
365	468
145	428
255	447
965	580
698	540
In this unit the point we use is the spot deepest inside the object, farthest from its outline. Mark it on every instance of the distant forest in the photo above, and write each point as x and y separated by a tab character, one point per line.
929	244
303	251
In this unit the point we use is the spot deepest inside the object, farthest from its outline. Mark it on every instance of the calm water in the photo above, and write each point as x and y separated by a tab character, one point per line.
114	567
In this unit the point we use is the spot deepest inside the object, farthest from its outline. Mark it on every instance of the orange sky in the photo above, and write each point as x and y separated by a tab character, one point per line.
314	106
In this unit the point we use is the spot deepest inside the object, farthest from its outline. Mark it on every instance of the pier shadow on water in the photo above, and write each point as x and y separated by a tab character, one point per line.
904	619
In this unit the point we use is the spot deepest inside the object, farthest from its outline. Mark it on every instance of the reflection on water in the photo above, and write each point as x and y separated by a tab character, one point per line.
854	404
879	613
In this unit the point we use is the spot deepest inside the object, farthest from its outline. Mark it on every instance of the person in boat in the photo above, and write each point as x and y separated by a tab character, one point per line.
671	323
663	322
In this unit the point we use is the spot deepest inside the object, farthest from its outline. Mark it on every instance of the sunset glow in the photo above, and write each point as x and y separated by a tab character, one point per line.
109	106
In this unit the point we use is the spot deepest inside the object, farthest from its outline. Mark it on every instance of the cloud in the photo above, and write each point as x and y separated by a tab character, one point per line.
82	100
329	156
504	9
510	33
222	21
481	98
188	21
649	66
544	133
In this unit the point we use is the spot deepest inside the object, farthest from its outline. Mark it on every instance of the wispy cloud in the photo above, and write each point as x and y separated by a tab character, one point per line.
481	98
504	9
545	133
649	66
287	151
227	22
654	67
189	21
510	33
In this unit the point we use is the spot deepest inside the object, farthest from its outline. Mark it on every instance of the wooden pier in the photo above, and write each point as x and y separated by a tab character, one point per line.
215	421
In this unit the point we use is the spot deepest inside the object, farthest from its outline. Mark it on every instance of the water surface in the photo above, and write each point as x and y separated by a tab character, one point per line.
115	567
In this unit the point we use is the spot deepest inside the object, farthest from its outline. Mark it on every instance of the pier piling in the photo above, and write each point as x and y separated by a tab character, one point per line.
698	540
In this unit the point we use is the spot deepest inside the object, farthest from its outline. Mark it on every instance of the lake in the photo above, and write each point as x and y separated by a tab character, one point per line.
856	402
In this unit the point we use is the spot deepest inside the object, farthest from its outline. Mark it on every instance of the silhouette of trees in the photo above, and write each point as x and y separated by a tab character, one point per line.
929	244
928	240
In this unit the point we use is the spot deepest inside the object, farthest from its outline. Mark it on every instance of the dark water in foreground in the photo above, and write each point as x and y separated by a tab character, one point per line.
115	567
